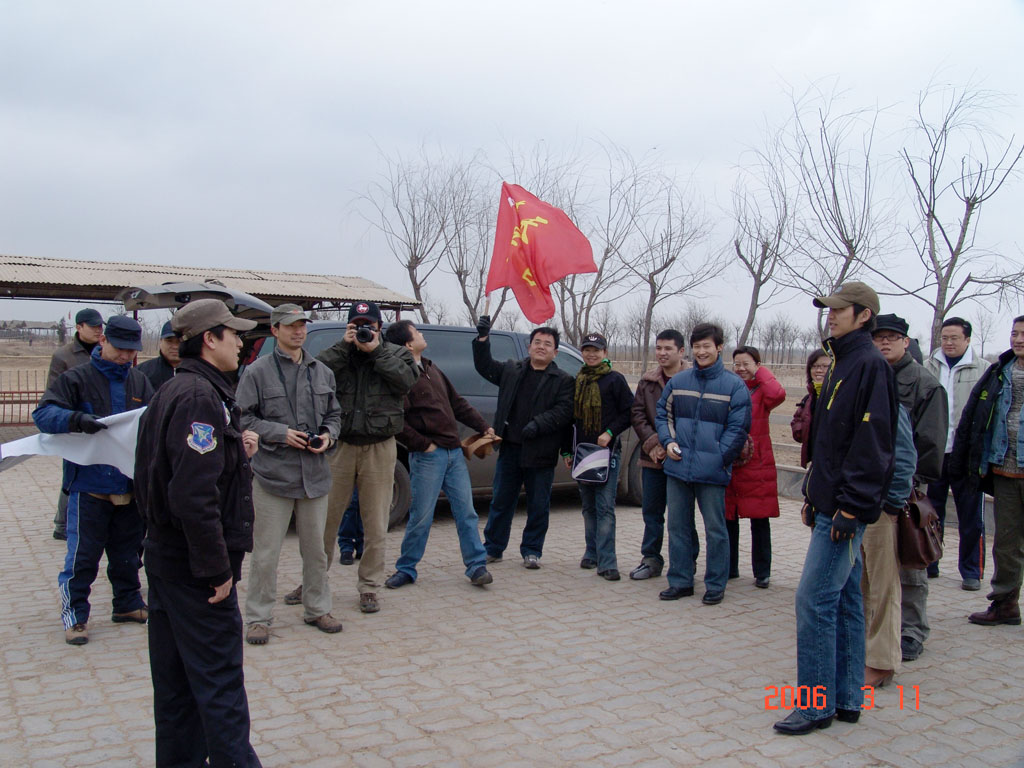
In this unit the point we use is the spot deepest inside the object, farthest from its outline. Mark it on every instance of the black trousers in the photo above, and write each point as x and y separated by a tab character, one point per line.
195	655
760	547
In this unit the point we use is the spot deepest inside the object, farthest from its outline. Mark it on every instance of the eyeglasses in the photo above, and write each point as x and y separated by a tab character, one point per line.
947	339
889	337
819	367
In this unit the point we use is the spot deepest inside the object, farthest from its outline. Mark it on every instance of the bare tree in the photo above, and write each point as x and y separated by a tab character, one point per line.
837	228
410	208
608	224
670	226
959	164
763	237
983	328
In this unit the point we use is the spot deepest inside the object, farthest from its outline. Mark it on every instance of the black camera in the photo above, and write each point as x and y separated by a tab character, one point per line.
364	334
314	440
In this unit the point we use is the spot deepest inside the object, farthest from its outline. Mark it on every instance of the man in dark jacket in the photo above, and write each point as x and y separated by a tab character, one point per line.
102	516
160	369
433	411
988	452
373	376
195	490
703	419
88	329
534	408
852	446
920	392
669	353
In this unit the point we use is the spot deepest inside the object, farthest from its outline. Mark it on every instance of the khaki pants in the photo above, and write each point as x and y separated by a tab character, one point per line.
371	470
273	513
880	584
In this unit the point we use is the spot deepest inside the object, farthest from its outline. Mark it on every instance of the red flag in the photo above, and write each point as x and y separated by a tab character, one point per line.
535	245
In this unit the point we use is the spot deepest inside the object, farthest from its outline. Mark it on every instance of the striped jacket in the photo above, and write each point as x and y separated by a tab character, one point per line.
706	412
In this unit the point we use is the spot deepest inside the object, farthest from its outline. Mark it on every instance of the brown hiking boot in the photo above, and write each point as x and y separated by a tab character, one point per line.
294	597
998	612
76	635
368	602
138	616
325	623
258	634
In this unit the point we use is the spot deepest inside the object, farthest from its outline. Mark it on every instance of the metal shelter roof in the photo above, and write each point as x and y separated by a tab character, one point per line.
23	277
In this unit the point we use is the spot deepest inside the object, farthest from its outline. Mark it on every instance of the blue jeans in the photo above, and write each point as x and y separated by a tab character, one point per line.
441	469
509	477
653	503
95	526
350	531
599	517
681	532
830	620
970	514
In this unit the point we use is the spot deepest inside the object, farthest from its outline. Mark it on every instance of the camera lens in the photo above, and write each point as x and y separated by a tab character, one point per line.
364	334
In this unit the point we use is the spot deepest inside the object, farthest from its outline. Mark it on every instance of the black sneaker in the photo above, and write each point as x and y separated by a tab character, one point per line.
480	576
712	598
674	593
493	559
587	564
645	571
911	648
610	575
60	535
398	579
346	557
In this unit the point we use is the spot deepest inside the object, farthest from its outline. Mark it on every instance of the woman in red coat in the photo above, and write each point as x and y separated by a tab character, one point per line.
753	491
817	367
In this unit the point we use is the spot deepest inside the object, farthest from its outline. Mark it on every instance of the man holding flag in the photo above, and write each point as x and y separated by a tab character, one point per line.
535	244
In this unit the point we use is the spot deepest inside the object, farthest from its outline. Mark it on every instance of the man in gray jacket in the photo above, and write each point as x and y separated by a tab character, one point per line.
921	393
288	398
88	329
958	369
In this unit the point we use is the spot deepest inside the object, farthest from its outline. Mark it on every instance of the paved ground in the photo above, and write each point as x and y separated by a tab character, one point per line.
548	667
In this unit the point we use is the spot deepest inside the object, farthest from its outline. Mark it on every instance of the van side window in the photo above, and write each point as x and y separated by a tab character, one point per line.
568	362
452	353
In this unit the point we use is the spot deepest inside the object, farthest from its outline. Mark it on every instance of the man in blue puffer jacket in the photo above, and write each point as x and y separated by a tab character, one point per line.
102	515
703	417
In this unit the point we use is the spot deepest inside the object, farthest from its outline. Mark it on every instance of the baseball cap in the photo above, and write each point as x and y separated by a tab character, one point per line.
364	310
849	294
594	340
201	315
891	323
89	317
166	331
286	314
123	332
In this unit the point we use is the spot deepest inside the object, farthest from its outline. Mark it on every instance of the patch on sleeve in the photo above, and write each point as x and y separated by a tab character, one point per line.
867	415
202	439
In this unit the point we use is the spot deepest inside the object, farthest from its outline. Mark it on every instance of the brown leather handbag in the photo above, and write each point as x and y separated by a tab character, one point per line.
918	539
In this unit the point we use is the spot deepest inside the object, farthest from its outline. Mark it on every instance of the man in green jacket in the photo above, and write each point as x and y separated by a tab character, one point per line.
373	377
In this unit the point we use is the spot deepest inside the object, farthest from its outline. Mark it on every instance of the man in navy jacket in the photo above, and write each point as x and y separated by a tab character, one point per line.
102	516
703	418
853	434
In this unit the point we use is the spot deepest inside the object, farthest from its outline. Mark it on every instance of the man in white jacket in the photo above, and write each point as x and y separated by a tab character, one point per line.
958	369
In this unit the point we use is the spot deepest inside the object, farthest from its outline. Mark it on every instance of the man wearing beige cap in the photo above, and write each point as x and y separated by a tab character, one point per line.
852	442
194	487
288	399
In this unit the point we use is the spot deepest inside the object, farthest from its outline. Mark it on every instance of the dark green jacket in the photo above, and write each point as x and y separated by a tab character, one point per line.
371	389
921	393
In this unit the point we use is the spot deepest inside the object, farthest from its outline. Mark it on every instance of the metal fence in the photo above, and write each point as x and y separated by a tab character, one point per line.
19	394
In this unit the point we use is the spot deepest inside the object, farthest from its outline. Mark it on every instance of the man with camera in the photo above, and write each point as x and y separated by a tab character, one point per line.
288	399
373	377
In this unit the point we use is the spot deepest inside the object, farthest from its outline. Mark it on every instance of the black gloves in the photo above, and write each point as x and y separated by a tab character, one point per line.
85	422
483	326
530	431
807	514
843	527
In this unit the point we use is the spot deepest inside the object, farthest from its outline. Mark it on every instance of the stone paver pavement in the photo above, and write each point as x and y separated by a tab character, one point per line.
548	667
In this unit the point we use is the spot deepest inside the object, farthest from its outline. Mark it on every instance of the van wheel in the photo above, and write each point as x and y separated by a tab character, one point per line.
634	494
401	496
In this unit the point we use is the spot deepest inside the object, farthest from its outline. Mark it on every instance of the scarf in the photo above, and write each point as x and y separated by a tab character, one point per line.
586	403
817	386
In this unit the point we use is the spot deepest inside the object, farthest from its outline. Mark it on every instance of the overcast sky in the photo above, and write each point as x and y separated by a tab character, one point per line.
239	133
